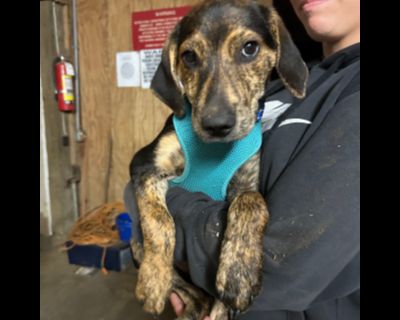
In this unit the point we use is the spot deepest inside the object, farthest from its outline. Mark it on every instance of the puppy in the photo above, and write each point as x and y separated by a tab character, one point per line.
218	59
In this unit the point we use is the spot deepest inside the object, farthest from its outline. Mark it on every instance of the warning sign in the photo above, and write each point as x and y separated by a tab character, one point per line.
150	30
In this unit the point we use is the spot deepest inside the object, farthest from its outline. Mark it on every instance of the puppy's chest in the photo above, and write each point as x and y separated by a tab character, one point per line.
206	173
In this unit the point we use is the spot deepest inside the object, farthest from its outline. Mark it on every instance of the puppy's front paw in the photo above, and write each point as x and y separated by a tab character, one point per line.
239	277
154	284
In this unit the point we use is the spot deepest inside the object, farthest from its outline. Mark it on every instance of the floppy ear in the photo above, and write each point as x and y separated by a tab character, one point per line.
290	65
165	83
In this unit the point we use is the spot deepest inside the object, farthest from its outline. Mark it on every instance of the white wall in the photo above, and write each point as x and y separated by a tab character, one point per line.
45	205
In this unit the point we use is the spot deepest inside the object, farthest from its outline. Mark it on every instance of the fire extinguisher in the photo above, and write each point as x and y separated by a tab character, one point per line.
64	80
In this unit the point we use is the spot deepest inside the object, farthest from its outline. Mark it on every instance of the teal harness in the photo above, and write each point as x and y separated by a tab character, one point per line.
209	167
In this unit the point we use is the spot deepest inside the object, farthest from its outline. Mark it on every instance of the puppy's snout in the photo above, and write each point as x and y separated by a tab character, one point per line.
218	125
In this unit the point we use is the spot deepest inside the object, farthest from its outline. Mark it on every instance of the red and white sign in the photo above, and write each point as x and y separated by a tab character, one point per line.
150	30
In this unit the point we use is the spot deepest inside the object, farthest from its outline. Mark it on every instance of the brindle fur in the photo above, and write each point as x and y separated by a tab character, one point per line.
221	83
197	302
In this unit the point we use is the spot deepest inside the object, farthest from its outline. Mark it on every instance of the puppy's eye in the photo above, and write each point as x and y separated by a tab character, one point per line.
250	49
190	58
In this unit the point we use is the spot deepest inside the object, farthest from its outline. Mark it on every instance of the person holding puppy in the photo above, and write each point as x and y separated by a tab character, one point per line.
310	179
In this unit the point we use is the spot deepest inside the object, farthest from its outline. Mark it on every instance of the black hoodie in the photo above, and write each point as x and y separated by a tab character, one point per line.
310	179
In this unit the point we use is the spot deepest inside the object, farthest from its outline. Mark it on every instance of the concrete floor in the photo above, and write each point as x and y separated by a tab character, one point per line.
65	295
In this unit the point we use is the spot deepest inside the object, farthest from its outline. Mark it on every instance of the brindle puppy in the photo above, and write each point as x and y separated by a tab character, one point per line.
220	57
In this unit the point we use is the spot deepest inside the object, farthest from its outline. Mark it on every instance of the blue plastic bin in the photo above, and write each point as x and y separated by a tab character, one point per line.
124	226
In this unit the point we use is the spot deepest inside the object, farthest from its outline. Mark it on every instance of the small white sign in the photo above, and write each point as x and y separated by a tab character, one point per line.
150	59
128	69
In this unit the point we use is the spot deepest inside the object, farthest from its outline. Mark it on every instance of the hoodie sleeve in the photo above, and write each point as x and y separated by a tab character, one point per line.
311	243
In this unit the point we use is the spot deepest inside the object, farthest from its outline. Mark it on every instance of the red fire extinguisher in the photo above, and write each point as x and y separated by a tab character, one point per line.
64	79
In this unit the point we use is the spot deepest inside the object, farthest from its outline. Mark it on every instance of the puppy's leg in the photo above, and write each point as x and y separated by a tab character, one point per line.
150	176
241	259
155	272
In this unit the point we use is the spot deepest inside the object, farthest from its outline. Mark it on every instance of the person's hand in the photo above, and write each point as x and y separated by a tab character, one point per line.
179	306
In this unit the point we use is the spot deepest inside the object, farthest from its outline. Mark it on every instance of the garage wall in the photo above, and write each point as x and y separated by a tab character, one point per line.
56	213
117	121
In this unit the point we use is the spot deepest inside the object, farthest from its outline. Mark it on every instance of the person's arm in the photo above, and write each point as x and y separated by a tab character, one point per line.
312	239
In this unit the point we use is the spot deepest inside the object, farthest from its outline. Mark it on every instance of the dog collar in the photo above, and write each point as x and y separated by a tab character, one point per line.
209	167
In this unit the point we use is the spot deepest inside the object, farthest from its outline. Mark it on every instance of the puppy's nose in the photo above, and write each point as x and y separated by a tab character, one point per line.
218	125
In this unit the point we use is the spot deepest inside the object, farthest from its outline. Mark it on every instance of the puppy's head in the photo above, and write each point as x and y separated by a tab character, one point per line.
220	56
